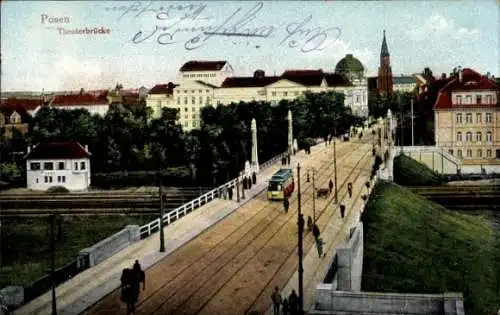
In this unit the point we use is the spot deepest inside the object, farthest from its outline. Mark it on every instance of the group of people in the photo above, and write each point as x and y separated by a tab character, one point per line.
130	285
247	183
285	160
288	306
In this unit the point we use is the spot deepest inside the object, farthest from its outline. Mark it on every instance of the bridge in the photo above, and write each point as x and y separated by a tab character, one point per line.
225	257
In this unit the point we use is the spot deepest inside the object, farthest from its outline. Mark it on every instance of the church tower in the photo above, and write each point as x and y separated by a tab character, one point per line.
384	80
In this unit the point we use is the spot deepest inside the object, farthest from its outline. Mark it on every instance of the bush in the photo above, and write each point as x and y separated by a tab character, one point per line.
57	190
409	172
178	176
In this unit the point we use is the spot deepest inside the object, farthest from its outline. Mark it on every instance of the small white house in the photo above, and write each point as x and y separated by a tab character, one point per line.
65	164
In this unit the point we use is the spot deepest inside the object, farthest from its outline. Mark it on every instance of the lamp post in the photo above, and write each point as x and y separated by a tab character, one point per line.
335	169
53	263
301	268
313	171
162	236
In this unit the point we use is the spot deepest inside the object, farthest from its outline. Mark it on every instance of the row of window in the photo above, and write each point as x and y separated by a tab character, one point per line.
194	123
199	75
479	136
194	116
468	118
193	101
192	91
479	99
49	166
48	179
468	153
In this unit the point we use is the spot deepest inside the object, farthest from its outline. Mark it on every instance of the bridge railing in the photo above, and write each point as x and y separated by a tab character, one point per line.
172	216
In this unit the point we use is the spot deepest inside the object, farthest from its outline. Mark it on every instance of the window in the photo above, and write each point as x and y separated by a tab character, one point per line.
468	118
468	136
194	116
459	118
450	151
49	166
36	180
459	136
35	166
488	137
60	165
200	91
76	166
488	118
186	109
479	118
63	179
185	100
208	91
82	165
357	98
194	123
489	99
58	179
192	91
469	99
459	99
201	100
488	153
498	153
478	99
185	124
469	152
45	179
285	93
459	153
208	100
186	116
178	100
479	153
273	93
478	136
193	100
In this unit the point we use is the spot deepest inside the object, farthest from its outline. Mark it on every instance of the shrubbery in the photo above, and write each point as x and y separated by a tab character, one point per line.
178	176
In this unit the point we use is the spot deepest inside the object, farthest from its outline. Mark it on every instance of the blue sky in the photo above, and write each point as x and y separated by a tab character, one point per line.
437	34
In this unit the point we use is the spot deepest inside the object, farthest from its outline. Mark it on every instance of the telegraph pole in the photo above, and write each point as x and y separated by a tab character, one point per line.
53	263
162	236
314	199
301	268
412	134
238	188
335	168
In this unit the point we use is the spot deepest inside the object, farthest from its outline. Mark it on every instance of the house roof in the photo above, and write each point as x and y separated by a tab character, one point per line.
57	150
471	80
206	84
404	80
304	77
78	100
26	103
8	110
163	88
241	82
197	65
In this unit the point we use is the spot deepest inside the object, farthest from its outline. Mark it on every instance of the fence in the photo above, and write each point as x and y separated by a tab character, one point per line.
172	216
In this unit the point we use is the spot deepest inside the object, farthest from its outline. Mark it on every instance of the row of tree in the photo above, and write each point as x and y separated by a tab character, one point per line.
128	139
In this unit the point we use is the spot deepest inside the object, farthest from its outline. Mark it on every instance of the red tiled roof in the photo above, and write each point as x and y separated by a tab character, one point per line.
335	79
77	99
57	150
163	88
8	109
202	66
206	84
471	80
27	104
241	82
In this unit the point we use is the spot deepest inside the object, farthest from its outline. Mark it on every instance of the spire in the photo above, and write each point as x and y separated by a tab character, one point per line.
385	51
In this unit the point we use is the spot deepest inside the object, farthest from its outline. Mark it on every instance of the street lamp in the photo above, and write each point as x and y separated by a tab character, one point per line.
162	236
313	171
301	269
53	263
335	169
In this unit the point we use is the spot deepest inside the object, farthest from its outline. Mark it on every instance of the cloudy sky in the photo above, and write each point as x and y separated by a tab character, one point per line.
149	40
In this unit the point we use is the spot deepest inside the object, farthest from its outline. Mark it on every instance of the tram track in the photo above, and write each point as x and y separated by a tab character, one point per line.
235	250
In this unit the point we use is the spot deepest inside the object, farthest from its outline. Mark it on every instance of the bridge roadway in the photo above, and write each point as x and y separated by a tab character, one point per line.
232	266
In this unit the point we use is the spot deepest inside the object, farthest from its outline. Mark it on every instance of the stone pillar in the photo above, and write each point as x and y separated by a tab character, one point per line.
290	132
255	152
390	162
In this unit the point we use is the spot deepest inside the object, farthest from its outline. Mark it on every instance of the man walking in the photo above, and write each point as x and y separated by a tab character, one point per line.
342	211
276	297
330	186
293	303
301	223
349	189
286	204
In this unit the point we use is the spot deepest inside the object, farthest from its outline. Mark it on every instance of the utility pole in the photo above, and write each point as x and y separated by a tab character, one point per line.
314	199
335	169
412	134
238	188
162	236
243	190
53	263
301	268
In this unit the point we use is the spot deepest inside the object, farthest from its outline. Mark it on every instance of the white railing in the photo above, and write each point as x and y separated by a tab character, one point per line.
153	227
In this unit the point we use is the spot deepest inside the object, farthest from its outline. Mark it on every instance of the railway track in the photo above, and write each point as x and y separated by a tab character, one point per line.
235	263
11	213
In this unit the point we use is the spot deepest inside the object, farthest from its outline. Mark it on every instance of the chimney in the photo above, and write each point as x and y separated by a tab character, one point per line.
29	149
87	148
443	75
460	75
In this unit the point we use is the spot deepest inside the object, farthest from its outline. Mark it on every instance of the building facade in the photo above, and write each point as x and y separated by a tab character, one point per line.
13	118
201	85
384	79
51	164
467	118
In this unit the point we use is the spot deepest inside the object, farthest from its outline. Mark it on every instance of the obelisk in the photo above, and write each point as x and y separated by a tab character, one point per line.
255	152
390	162
290	132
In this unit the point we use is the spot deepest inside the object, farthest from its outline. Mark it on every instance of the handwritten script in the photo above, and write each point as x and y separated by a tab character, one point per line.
176	22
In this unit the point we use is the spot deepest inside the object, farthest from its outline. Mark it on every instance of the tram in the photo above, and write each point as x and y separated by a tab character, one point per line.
281	184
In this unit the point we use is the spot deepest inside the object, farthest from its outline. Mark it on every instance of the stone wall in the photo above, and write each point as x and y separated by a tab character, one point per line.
95	254
350	261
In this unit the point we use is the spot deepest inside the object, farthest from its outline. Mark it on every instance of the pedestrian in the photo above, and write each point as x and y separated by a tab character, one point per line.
293	303
224	192
249	182
349	189
127	290
301	223
288	159
230	193
245	183
315	231
309	223
254	178
276	298
330	186
283	161
140	274
319	247
342	210
286	204
285	308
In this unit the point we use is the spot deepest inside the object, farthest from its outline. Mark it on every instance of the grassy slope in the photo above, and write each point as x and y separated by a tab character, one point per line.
414	245
25	247
409	172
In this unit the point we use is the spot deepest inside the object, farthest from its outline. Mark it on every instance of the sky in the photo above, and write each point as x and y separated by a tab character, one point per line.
146	42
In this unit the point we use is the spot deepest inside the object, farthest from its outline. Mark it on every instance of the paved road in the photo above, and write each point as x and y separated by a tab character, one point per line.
232	267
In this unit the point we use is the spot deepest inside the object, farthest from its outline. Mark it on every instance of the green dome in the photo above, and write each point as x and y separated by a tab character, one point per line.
350	66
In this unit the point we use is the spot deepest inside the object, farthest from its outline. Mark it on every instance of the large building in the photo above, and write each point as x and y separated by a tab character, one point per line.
65	164
384	79
212	83
467	118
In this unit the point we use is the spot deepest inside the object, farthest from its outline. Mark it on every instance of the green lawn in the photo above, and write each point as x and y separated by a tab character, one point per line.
413	245
409	172
25	247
